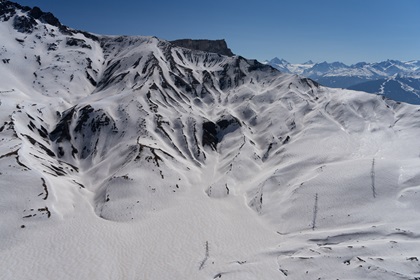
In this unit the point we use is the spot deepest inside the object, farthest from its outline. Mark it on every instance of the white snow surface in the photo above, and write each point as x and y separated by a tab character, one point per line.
115	180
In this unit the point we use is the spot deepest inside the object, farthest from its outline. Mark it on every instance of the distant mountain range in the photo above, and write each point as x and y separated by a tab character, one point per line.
394	79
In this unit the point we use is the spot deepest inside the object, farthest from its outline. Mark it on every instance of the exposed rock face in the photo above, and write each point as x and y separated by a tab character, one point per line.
49	18
213	133
214	46
24	24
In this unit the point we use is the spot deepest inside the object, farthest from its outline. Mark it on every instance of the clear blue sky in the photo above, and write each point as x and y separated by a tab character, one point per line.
322	30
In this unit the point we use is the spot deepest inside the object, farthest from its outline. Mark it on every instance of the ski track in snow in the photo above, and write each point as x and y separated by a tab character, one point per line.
129	158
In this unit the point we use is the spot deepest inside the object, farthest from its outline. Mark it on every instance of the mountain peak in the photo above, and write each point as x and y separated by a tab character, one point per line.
214	46
32	17
277	60
26	23
8	9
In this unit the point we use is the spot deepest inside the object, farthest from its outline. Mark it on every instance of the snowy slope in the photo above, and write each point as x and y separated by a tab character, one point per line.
130	158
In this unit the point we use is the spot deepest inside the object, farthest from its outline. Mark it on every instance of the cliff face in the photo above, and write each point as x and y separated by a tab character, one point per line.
214	46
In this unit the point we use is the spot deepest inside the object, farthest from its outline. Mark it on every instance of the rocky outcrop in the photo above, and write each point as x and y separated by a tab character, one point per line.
214	46
213	133
27	22
44	17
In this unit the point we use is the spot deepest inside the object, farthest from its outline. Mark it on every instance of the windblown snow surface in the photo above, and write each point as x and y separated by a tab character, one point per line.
130	158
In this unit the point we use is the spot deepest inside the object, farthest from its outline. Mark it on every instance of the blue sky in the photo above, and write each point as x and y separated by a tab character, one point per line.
322	30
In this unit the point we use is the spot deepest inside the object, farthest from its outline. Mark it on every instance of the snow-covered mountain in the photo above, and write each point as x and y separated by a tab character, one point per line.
400	88
362	76
134	158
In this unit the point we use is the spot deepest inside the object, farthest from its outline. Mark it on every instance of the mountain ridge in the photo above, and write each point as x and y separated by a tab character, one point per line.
215	46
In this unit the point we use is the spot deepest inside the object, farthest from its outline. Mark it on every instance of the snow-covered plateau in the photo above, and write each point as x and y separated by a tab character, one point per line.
133	158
